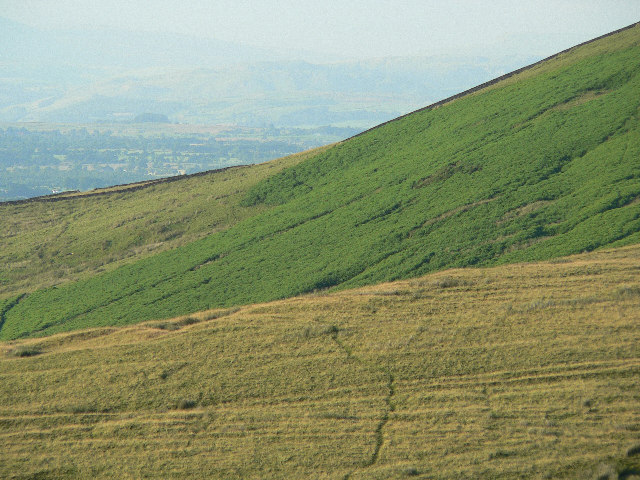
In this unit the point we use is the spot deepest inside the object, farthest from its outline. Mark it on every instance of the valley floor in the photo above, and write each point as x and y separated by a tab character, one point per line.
518	371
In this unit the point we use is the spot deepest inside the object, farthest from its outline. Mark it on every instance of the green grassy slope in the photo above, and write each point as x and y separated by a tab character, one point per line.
518	371
541	165
45	242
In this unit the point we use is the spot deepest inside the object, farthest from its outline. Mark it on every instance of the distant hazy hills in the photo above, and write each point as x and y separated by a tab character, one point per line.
81	76
120	48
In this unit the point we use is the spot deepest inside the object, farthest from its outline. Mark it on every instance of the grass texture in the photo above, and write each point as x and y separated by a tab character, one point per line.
516	371
78	235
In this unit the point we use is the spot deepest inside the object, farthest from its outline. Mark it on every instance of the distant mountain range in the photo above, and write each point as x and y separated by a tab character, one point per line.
107	76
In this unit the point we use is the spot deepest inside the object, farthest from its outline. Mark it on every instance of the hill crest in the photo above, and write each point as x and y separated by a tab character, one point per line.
501	78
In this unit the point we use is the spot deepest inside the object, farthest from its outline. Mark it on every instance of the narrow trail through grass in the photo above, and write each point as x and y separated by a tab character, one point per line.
389	405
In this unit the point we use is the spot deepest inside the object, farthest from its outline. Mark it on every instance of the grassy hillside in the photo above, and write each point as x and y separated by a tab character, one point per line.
518	371
541	165
45	242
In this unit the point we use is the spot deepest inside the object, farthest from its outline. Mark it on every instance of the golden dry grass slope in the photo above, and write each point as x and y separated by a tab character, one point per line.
518	371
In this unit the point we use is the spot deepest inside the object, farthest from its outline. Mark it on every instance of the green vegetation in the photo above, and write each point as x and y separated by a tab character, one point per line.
46	243
541	165
518	371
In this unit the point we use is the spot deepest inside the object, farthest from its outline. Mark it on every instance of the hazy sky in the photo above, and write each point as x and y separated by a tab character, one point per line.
350	28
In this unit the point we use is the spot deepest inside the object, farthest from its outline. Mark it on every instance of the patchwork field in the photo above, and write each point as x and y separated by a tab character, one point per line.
518	371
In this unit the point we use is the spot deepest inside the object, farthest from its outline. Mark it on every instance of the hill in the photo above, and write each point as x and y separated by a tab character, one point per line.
55	239
538	165
518	371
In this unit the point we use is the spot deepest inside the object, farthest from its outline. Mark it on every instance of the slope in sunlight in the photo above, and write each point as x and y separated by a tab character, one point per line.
518	371
540	165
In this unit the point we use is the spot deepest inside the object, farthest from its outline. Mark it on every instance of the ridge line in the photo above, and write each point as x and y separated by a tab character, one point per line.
494	81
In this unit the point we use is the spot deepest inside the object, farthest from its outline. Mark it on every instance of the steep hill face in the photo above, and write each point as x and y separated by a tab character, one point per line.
542	164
